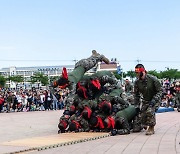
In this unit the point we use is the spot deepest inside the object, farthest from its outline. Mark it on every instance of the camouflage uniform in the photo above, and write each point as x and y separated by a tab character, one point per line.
128	87
151	91
93	95
83	124
81	67
177	98
90	103
116	101
123	120
63	123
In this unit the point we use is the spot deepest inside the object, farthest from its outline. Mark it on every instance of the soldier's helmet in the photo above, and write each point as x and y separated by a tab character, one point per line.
94	84
62	82
63	125
96	122
93	121
109	122
81	91
118	122
105	107
74	126
86	113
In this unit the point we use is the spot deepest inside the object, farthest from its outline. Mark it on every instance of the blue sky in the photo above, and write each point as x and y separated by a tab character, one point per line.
56	32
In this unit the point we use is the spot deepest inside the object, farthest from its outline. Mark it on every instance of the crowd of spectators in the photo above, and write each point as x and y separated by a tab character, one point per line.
23	100
171	91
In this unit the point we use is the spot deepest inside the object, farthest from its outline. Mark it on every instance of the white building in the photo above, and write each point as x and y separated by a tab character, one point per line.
50	71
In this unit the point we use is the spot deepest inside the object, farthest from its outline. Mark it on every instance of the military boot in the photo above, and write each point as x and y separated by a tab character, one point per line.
102	57
178	108
137	129
94	53
145	127
150	130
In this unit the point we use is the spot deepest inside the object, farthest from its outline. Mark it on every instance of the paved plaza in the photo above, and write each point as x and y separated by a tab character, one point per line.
35	128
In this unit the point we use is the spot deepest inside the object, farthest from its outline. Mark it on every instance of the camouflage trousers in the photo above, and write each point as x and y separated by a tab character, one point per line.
177	99
148	117
88	63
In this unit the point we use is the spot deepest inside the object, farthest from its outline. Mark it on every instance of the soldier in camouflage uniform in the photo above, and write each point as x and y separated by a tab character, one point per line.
177	97
83	103
70	80
124	120
148	89
64	122
90	91
78	124
128	87
118	124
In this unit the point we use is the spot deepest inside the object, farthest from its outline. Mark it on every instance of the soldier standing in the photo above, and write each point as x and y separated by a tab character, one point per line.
128	87
149	88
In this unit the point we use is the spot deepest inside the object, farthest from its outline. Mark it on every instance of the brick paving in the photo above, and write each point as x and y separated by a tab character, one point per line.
19	126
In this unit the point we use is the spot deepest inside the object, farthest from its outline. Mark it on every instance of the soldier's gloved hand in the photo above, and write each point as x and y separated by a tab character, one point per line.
138	110
96	130
120	132
113	132
123	131
152	103
156	108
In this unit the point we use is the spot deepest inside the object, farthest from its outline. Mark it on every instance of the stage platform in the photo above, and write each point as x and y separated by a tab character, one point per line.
37	132
165	109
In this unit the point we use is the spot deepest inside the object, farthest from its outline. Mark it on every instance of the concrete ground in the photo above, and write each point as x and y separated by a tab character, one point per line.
23	126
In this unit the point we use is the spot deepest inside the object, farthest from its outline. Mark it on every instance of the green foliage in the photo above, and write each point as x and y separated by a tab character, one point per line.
131	74
118	76
155	73
2	81
45	81
39	77
16	78
170	74
53	78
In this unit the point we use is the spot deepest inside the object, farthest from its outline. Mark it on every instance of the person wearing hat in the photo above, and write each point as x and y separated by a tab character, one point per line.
149	89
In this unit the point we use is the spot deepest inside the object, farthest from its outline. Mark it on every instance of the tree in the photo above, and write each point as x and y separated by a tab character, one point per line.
2	81
40	78
118	76
155	73
170	73
16	78
131	74
53	78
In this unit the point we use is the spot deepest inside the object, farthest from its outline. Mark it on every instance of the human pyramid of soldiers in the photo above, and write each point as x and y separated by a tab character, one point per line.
95	102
